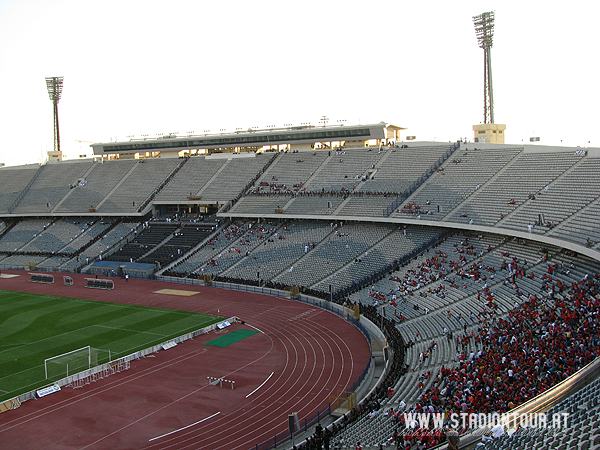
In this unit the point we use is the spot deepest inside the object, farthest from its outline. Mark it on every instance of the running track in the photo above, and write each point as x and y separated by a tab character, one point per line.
302	356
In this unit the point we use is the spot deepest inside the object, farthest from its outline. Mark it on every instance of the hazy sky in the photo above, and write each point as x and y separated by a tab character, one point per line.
150	67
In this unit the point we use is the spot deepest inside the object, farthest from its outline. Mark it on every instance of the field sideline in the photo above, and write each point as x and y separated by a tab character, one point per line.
35	327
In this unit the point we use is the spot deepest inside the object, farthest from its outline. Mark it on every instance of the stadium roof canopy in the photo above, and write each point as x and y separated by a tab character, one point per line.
253	139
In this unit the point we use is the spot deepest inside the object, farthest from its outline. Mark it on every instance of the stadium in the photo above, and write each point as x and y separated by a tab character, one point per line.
471	270
298	286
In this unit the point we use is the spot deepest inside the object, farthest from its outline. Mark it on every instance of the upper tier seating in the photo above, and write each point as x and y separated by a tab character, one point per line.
528	174
138	185
190	179
13	180
290	171
513	188
89	193
570	193
52	184
459	177
343	169
233	178
401	167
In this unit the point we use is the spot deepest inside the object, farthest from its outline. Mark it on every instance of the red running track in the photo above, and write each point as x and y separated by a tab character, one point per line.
302	356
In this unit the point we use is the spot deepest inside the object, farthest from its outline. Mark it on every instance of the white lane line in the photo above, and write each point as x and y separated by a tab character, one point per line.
257	329
191	425
260	385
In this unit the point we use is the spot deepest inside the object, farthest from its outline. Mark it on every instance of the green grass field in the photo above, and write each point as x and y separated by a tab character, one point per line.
35	327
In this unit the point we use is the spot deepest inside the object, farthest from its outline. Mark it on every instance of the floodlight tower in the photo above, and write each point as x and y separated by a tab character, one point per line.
488	131
55	86
484	30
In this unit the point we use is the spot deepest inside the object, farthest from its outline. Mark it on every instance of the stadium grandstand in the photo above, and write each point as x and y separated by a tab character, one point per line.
479	262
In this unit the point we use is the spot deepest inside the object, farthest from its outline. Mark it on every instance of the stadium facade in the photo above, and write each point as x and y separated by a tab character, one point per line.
345	221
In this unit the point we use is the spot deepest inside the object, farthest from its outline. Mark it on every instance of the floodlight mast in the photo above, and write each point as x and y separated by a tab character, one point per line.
484	30
55	86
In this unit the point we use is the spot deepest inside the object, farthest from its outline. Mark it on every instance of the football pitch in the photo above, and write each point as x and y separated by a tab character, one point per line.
36	327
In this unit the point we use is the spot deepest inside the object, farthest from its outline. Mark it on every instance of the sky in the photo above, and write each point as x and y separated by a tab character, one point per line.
143	67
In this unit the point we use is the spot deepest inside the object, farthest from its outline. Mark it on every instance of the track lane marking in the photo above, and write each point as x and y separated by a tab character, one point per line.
180	429
260	385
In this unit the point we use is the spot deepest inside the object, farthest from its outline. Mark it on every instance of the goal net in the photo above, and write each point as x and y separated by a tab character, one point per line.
75	361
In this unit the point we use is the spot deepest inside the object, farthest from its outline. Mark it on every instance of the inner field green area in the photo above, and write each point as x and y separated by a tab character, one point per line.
36	327
231	338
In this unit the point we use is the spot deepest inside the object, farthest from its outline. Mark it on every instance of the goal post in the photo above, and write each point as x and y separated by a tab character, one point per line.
75	361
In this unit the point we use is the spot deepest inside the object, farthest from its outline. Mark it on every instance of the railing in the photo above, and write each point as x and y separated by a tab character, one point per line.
308	422
322	413
413	187
329	306
39	268
71	379
12	207
367	280
158	188
232	202
541	403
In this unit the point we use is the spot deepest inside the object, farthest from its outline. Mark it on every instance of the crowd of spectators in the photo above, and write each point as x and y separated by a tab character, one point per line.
546	338
416	209
503	361
299	191
438	267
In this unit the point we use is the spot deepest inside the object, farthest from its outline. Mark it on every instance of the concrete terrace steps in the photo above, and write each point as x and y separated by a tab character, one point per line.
307	254
490	180
22	194
211	179
455	306
85	175
319	169
196	248
406	388
234	243
349	263
116	186
362	183
526	204
237	263
311	178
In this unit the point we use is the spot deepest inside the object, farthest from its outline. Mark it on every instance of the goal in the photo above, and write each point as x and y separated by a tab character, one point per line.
75	361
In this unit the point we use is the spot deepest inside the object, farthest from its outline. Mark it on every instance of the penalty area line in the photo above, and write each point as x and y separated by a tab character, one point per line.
191	425
260	385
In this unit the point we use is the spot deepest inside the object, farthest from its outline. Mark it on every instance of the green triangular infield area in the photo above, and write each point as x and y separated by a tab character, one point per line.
231	338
